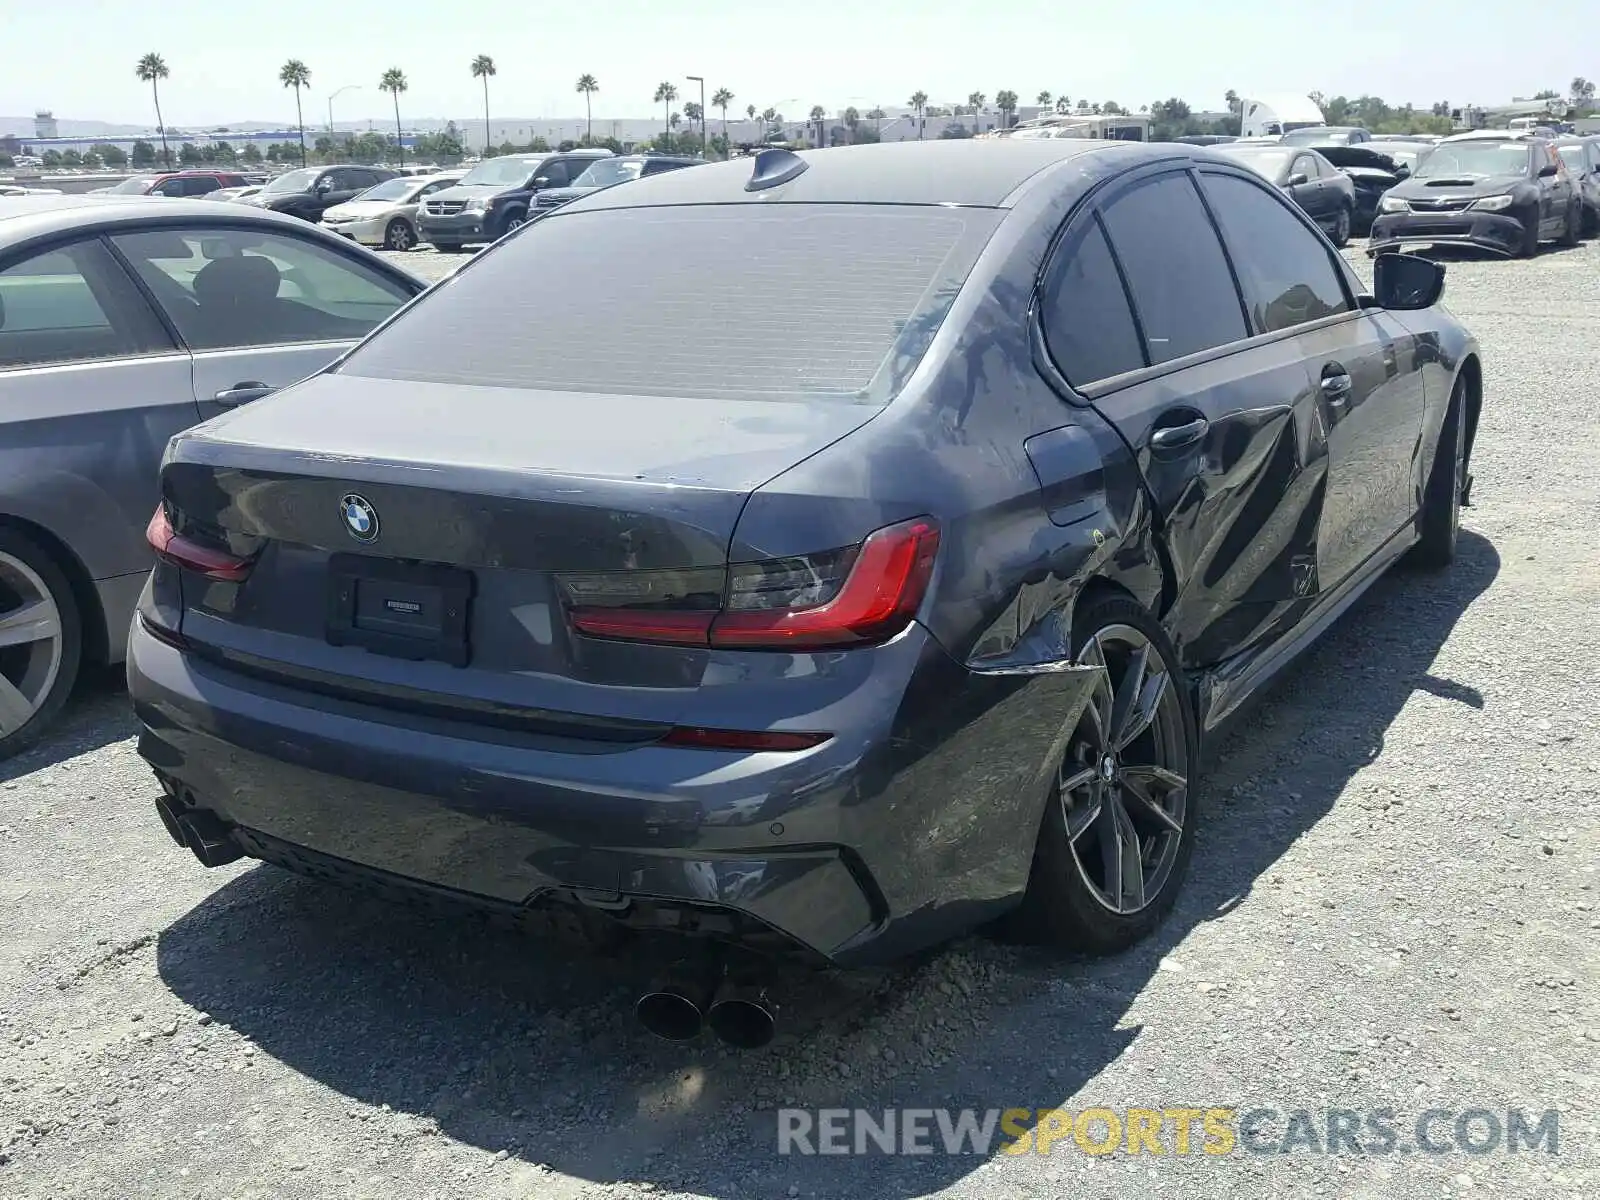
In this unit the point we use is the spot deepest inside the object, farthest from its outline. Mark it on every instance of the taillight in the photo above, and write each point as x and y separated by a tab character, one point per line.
851	597
190	555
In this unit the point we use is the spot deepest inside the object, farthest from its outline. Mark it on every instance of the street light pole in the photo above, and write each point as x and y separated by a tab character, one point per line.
349	87
705	150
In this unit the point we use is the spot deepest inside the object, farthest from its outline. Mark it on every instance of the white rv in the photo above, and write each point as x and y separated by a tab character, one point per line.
1274	116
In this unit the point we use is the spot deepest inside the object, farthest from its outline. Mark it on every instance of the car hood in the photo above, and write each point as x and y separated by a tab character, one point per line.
1358	156
476	191
1457	186
356	210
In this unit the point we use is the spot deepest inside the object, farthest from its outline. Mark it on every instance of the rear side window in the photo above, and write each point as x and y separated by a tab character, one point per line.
787	302
1287	271
1087	322
1182	289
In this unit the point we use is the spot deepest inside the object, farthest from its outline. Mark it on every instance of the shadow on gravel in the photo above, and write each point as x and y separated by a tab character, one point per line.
508	1042
98	715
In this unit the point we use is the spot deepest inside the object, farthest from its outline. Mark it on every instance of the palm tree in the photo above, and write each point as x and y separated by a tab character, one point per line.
769	121
852	119
1063	104
587	87
877	115
1043	99
297	75
1006	102
976	102
819	118
152	69
721	98
483	68
666	93
919	101
1582	91
394	82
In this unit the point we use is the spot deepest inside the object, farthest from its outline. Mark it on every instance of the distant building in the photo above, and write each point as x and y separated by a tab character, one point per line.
44	124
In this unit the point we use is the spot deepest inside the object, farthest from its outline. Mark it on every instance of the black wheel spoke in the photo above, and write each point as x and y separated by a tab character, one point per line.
1140	772
1101	699
1144	709
1125	697
1129	887
1145	802
1081	812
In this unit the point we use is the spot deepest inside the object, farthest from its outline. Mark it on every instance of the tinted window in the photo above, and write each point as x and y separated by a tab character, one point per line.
73	305
1182	289
225	288
555	174
199	185
787	302
1287	272
1087	322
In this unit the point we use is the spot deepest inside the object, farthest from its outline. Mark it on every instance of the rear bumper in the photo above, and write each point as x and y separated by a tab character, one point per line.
1499	232
915	823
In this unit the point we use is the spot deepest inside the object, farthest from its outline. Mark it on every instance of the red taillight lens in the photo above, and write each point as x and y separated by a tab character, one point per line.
839	598
190	555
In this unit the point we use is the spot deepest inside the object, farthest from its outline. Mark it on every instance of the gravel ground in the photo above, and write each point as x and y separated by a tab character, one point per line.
1393	904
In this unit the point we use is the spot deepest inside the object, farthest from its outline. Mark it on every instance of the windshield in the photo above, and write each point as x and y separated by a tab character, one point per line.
1573	155
393	189
503	171
137	186
607	172
786	302
1263	160
1474	160
294	181
1407	156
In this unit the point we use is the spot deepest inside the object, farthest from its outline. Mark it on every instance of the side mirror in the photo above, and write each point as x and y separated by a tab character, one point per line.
324	185
1297	179
1549	169
1402	172
1406	282
542	181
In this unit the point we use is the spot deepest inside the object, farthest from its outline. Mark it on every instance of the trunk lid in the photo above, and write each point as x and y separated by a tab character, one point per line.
495	490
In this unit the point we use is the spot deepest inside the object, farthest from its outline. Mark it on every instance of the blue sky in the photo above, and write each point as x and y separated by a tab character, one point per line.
77	56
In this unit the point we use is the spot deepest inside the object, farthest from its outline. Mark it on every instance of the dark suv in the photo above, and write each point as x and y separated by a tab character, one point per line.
495	197
1505	194
609	172
311	191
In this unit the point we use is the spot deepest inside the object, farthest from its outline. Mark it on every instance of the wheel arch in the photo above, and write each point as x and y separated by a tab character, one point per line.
1471	377
96	641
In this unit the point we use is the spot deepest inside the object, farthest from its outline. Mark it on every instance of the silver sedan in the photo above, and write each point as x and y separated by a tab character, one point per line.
125	320
386	214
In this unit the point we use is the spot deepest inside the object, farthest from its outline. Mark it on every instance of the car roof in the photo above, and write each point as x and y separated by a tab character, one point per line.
984	172
23	218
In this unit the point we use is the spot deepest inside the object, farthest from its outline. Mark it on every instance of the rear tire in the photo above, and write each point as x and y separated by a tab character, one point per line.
1341	228
448	247
1083	894
399	235
1439	524
37	674
1530	235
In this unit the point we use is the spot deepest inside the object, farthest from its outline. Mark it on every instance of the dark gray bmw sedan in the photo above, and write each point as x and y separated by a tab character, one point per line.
864	558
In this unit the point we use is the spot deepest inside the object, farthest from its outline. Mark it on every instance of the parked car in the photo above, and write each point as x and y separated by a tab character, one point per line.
174	183
496	196
1372	172
234	193
1424	138
1406	152
608	172
1582	156
386	215
1326	135
1505	194
308	192
1325	193
122	322
904	609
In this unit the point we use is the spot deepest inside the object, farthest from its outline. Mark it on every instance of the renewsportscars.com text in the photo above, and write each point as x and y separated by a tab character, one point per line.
1166	1131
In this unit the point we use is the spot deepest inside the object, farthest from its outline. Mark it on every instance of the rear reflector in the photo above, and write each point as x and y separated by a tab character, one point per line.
190	555
836	599
744	740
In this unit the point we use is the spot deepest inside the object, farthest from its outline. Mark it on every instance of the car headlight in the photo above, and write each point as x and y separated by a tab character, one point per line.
1393	204
1492	203
476	206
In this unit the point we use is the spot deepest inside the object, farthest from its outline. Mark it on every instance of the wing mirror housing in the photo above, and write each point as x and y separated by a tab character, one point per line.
542	181
1406	282
1549	169
1297	179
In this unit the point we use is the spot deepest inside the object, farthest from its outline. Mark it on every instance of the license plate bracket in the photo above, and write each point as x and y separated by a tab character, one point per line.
414	611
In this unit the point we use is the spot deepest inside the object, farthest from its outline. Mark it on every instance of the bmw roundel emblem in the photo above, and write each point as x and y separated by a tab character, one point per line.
360	518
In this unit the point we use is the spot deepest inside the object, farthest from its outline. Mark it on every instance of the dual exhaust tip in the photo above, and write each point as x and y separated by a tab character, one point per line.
678	1010
199	831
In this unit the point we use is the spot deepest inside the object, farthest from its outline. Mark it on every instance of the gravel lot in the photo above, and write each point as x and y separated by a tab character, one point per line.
1393	904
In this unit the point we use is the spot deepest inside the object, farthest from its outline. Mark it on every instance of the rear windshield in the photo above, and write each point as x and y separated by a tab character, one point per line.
787	302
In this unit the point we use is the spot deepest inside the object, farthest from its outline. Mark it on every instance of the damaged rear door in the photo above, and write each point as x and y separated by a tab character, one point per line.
1226	426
